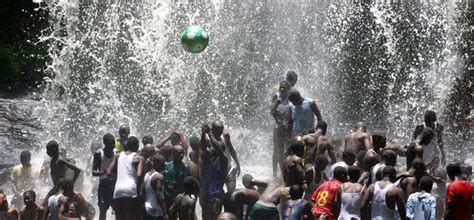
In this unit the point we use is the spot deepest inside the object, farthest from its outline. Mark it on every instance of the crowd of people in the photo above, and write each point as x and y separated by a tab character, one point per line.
315	176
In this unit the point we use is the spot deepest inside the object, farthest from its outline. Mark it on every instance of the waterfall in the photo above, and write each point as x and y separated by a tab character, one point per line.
116	62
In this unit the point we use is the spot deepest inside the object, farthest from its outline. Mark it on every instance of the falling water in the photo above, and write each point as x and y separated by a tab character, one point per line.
115	62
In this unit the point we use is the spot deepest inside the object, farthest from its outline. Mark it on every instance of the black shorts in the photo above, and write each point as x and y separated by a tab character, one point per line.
105	193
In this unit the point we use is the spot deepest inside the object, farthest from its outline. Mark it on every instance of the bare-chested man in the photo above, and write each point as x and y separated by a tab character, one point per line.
59	166
31	211
184	205
293	169
311	141
315	176
266	206
234	202
435	149
385	199
359	139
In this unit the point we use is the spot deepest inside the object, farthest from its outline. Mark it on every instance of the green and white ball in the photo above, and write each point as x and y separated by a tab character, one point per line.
194	39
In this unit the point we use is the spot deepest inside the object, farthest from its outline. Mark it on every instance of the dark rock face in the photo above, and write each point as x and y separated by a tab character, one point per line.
18	131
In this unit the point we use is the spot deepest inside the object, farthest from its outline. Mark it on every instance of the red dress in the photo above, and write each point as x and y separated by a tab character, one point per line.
324	198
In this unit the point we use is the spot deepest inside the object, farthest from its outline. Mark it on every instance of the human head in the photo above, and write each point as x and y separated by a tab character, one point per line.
284	88
191	185
194	143
3	202
340	173
25	158
178	153
426	135
320	162
323	126
389	157
66	185
360	126
124	131
175	138
109	141
226	216
73	209
292	77
133	144
390	172
158	162
295	97
454	170
430	117
296	192
147	139
52	149
247	181
297	148
360	158
217	128
426	184
29	198
354	174
379	140
419	167
349	157
148	151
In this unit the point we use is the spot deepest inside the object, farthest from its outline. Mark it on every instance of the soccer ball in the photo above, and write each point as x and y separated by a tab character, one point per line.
194	39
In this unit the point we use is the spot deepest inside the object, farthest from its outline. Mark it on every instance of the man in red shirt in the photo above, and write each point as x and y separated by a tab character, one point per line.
459	195
327	198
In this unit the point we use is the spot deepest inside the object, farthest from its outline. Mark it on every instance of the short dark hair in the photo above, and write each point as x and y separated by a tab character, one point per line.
418	164
296	192
389	156
379	140
340	173
354	173
430	115
66	184
108	139
426	184
453	170
389	171
147	139
25	154
293	94
133	143
348	154
296	147
190	183
322	125
52	145
30	192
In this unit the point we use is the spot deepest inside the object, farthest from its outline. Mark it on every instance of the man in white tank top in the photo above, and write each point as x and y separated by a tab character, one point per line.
155	208
129	166
386	200
102	160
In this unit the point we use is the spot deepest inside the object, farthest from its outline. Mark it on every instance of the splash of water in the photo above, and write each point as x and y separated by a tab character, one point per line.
122	62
